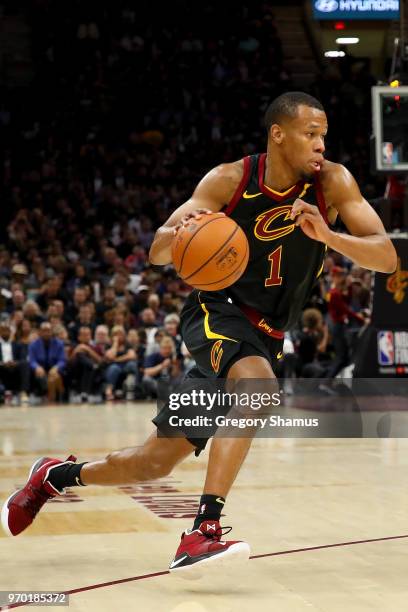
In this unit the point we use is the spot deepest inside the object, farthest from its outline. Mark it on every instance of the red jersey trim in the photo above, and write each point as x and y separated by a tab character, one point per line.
320	198
258	320
240	189
275	195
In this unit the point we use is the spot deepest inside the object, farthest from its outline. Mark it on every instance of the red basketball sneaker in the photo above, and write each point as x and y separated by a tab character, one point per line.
21	508
204	546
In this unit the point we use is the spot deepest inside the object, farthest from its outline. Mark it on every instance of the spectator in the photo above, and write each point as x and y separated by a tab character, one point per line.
49	292
107	266
84	319
54	312
140	302
120	284
135	263
17	300
19	274
60	331
79	279
122	316
32	312
108	303
47	362
14	369
171	327
122	361
83	366
158	366
340	314
359	295
149	324
134	338
102	339
25	334
311	345
37	276
153	302
154	346
109	317
141	351
15	320
168	303
80	298
59	308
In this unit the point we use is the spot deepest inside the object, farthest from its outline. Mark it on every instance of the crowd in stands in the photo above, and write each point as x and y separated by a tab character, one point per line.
74	338
89	343
127	110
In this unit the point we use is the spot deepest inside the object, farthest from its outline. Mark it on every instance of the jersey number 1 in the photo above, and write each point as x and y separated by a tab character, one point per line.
275	259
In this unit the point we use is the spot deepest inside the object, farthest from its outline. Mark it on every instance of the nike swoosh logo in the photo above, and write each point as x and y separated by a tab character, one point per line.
279	356
77	481
174	563
248	196
220	501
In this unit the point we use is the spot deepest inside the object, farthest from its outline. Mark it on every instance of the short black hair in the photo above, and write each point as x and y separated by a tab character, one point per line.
287	104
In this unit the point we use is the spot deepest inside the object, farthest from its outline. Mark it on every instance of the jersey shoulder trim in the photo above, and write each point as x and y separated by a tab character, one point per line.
241	187
320	198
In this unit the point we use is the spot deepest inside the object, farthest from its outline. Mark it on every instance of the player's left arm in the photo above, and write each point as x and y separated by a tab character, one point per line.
368	245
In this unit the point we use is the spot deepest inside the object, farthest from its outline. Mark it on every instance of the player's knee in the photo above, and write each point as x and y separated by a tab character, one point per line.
249	377
251	367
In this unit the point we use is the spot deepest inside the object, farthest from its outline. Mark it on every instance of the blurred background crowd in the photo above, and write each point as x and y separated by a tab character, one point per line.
126	110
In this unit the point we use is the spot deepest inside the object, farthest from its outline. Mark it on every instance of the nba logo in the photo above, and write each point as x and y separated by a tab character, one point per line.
385	343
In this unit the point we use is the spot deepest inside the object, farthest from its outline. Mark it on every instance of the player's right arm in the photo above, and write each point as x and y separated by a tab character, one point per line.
213	192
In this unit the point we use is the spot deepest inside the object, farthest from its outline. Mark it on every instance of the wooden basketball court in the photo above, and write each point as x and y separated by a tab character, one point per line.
327	521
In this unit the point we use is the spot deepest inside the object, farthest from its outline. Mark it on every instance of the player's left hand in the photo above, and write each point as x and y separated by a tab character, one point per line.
310	221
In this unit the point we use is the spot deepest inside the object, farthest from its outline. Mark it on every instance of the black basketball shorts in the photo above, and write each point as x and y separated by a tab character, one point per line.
217	334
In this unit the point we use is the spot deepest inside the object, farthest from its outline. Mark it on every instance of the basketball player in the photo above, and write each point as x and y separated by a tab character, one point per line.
284	201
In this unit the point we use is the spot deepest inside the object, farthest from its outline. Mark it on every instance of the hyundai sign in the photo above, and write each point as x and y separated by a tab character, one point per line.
356	9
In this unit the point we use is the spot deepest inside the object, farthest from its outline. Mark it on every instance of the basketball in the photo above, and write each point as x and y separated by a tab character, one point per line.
210	252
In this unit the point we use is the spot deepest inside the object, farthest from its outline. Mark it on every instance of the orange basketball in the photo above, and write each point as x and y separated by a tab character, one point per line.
210	253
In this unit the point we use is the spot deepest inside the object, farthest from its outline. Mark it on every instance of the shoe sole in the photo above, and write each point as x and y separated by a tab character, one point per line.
237	553
5	508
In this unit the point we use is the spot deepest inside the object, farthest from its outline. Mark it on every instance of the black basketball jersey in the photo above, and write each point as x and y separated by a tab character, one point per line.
283	262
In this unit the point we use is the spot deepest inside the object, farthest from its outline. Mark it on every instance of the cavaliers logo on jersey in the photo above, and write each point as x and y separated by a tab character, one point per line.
263	227
216	354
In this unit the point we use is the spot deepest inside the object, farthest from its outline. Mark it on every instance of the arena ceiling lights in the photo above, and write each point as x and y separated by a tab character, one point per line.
347	40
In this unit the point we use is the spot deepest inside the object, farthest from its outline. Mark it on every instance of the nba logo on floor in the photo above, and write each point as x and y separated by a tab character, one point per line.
385	343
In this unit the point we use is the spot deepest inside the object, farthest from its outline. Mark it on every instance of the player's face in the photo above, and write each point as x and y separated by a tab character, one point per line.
303	141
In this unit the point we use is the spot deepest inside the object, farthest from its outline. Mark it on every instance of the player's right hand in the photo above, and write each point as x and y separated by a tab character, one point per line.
196	214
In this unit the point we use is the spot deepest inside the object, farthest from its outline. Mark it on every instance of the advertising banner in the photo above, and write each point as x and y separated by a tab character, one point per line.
356	9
